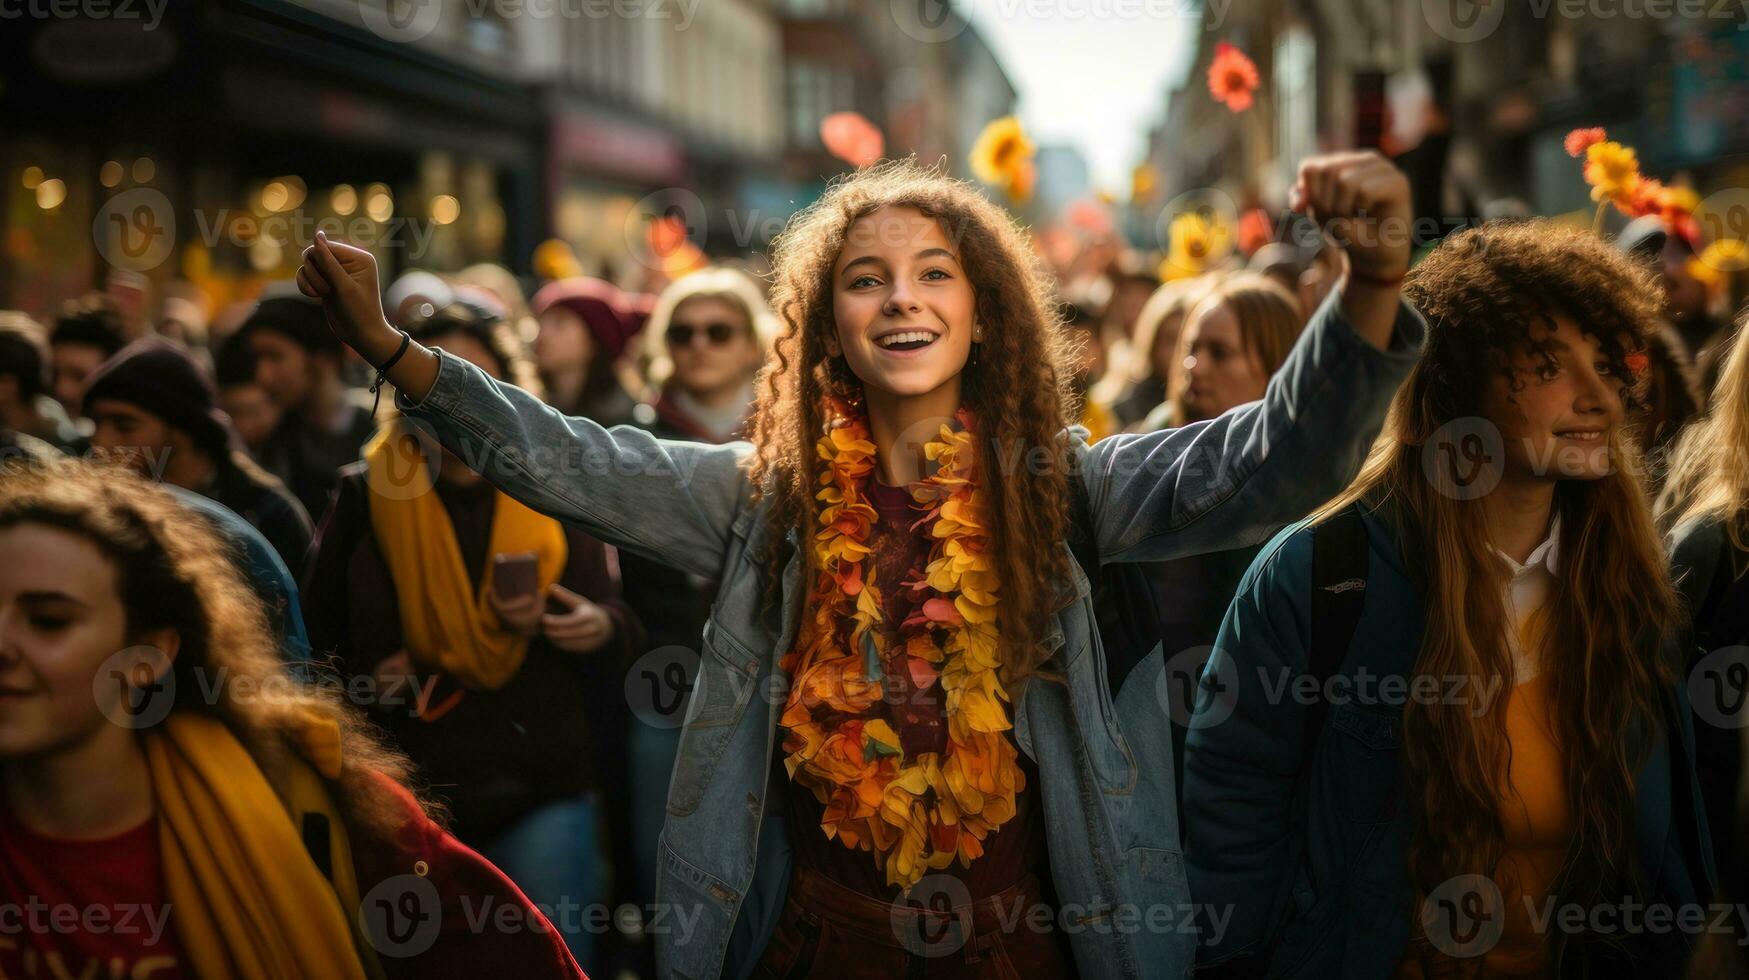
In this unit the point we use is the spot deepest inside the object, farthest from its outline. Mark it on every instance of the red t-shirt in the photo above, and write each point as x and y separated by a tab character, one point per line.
93	909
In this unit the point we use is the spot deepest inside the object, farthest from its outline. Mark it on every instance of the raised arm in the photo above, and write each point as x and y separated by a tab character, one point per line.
672	501
1230	481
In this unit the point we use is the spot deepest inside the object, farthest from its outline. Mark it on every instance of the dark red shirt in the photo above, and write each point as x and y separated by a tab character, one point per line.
1010	851
84	908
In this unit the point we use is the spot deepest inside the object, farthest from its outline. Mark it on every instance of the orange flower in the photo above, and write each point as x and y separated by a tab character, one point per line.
850	137
1232	77
1579	140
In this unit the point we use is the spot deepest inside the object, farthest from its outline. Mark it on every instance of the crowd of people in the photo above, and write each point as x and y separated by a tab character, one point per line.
766	626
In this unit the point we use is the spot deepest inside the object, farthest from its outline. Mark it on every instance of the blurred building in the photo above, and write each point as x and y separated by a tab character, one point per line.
1472	100
1063	177
917	69
207	145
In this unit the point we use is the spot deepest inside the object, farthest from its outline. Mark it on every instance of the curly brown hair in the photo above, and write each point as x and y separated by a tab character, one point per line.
1489	295
1503	282
1018	390
173	571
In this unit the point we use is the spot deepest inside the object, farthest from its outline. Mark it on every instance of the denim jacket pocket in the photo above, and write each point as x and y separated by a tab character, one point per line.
1365	747
720	694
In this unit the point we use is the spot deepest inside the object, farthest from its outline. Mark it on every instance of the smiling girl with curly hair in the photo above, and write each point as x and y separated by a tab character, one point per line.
939	723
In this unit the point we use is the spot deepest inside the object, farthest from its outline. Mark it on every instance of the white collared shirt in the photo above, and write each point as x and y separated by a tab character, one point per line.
1526	591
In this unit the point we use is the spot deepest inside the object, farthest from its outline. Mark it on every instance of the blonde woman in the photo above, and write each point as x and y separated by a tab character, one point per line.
1705	508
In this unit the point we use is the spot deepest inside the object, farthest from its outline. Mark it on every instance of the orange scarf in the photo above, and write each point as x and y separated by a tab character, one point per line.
247	900
446	623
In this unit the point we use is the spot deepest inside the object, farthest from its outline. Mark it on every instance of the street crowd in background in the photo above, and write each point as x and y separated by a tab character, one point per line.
229	488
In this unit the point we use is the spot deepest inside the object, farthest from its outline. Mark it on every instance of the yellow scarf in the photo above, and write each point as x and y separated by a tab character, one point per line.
248	903
447	624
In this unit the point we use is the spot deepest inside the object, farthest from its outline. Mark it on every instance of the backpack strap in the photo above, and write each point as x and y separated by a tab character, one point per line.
1339	562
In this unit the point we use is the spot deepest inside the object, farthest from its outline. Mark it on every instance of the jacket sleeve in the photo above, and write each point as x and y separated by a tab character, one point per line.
673	501
1242	756
484	925
1231	481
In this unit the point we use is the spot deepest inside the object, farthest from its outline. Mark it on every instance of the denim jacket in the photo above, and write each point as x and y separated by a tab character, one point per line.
1322	889
1105	763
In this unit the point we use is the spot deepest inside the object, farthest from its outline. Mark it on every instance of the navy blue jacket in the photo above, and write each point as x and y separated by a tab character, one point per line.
1327	893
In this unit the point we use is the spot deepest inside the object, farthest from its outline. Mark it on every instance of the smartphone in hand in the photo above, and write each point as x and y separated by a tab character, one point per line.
515	575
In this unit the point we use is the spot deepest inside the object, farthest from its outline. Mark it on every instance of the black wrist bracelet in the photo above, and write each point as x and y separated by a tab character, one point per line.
406	341
376	388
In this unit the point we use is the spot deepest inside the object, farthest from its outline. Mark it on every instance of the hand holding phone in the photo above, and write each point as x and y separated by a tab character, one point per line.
515	592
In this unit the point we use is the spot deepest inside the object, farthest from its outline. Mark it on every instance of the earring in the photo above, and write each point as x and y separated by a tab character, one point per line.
977	335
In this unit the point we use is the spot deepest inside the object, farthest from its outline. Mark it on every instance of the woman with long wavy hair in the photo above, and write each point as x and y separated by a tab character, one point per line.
201	811
935	723
1496	735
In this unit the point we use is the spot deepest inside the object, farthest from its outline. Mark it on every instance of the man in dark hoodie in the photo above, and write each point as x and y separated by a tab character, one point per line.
154	404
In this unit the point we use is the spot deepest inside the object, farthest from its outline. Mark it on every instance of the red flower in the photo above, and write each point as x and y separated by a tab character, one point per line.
1232	77
852	138
1637	362
1579	140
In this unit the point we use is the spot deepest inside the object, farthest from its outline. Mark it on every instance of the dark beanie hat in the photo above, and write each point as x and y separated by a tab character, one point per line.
297	317
161	377
600	306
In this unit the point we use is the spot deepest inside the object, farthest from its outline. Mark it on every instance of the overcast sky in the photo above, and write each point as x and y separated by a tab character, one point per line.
1091	73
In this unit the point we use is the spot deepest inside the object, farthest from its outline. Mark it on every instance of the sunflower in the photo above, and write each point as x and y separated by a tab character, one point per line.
1000	151
1194	244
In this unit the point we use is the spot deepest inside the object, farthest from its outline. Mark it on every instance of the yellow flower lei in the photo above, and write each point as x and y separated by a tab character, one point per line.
914	814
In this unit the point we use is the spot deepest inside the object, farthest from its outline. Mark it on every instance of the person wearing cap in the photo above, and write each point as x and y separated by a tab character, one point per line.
29	417
321	429
416	294
584	326
155	406
1667	250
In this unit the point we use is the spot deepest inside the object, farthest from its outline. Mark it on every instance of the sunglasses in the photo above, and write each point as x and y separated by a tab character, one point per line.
681	334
